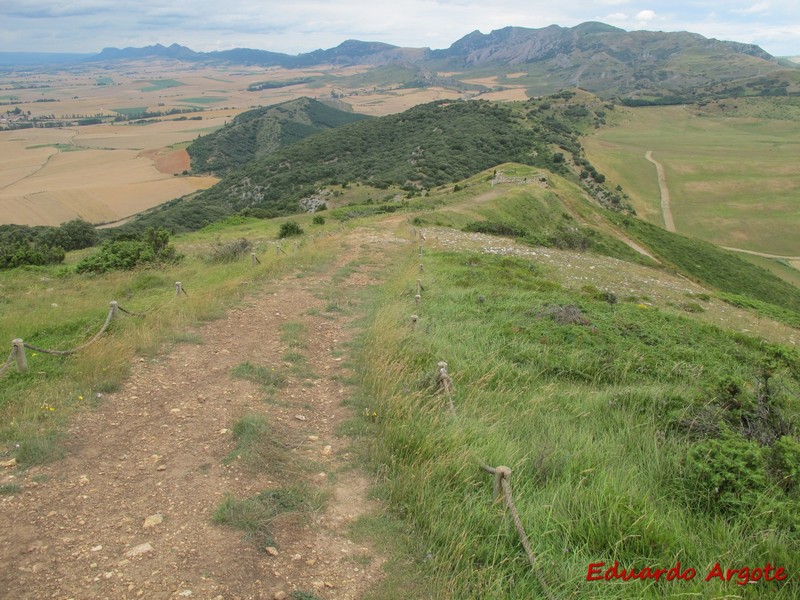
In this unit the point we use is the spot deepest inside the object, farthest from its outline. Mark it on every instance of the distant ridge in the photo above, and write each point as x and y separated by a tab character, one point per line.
637	66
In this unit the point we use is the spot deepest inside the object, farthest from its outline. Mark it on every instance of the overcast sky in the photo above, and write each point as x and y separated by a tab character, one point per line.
304	25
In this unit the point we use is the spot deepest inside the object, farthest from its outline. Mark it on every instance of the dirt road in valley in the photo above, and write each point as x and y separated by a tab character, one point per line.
666	210
128	512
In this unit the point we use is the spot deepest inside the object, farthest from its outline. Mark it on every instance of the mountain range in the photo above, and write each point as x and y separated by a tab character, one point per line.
642	66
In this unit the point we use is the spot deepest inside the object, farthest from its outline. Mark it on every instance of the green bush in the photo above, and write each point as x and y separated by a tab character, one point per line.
318	220
289	229
726	476
785	462
492	228
152	248
24	253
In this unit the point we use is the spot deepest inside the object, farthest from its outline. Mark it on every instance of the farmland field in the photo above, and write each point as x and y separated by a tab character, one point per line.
731	169
125	167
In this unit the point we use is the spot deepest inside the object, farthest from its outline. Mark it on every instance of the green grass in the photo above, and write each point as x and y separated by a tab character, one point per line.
712	265
730	172
258	448
268	377
293	334
255	515
204	99
591	417
130	111
156	85
8	489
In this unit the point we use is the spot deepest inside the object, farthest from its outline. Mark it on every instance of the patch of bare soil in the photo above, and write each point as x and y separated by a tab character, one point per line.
172	162
128	512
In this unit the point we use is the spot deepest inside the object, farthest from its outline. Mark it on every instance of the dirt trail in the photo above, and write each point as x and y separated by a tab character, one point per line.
156	447
763	254
666	210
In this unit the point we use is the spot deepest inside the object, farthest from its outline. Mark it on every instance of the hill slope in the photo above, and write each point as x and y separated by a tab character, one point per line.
262	131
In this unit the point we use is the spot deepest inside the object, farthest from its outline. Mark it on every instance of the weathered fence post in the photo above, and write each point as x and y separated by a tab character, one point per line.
414	319
499	474
295	247
419	286
417	299
420	249
114	309
421	268
19	355
254	259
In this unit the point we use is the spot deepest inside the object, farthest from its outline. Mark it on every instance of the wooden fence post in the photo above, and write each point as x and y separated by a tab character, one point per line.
19	355
114	309
178	288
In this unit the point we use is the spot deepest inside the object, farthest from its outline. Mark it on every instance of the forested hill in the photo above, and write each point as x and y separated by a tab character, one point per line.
426	146
262	131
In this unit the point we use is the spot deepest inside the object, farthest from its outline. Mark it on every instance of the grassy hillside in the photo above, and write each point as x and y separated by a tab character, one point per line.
729	168
636	430
622	425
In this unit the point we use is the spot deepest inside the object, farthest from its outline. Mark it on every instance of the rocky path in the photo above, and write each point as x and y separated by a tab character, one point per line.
128	512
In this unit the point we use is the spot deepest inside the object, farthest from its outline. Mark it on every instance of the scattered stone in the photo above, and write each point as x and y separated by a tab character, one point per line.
153	520
279	596
185	593
161	468
139	550
96	548
300	417
223	431
313	438
9	464
326	451
272	551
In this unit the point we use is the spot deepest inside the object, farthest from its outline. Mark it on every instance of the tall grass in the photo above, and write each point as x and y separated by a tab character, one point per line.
583	413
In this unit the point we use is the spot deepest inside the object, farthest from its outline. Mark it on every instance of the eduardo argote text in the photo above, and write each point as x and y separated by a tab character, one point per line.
742	576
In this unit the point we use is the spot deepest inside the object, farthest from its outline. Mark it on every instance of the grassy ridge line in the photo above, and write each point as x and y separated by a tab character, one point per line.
581	413
722	269
561	216
53	308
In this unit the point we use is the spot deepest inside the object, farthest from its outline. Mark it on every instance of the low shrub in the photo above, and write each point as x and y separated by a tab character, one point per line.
289	229
151	248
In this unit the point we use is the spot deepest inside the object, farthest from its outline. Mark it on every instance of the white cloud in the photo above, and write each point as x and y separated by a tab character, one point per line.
644	16
304	25
759	8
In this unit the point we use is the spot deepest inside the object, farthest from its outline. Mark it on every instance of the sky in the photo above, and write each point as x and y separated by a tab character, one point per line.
297	26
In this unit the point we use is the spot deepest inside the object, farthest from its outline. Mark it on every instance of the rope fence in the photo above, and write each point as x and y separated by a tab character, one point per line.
502	491
502	475
18	346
